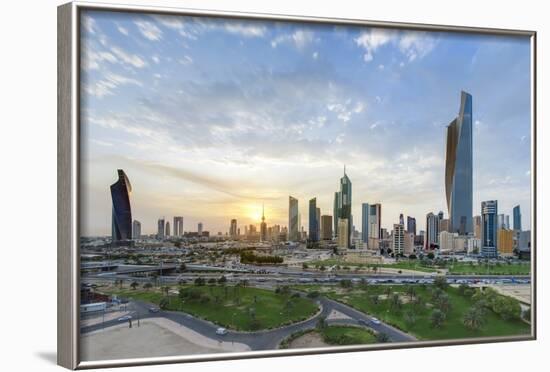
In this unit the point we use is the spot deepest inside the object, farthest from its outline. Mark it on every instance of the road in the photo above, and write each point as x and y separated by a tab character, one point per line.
260	340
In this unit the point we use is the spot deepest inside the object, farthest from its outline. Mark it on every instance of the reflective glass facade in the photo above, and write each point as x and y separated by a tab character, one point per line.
489	223
293	226
121	225
458	169
313	223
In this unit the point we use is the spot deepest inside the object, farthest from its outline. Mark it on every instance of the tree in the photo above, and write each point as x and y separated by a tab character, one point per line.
346	283
381	337
374	299
166	289
462	289
183	267
507	307
395	303
147	286
199	281
134	285
430	256
411	291
474	318
410	318
440	282
305	266
222	280
212	281
321	323
163	304
437	318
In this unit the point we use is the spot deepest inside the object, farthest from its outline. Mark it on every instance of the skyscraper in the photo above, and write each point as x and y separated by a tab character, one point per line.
233	228
432	230
489	212
365	222
318	219
375	225
136	229
178	226
458	168
411	225
401	220
517	218
293	223
326	227
160	228
398	239
199	228
343	228
343	202
263	227
313	223
477	227
336	211
167	229
121	220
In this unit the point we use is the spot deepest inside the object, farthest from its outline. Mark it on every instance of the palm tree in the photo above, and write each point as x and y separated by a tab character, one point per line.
134	285
474	318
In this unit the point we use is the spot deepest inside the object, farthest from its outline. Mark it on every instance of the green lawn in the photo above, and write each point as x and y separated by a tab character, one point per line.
240	308
501	269
452	328
346	335
404	265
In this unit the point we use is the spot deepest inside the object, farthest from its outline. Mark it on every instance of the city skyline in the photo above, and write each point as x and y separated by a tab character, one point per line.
256	145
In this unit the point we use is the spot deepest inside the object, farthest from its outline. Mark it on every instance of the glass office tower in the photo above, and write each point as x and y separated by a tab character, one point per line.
458	169
121	225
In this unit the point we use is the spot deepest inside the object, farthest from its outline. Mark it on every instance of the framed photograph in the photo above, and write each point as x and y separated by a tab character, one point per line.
235	185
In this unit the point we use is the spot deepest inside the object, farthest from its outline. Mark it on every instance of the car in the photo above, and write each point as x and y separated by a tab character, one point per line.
124	318
154	309
375	321
221	331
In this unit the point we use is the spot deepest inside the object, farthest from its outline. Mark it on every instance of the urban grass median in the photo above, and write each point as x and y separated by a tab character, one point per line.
235	307
334	335
432	312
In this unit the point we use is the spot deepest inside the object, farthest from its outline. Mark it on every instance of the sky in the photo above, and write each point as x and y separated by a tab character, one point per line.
212	118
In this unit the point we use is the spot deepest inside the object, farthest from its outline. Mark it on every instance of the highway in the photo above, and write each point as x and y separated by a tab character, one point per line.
260	340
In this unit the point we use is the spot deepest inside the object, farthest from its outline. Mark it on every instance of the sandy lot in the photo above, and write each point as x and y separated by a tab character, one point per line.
311	339
155	337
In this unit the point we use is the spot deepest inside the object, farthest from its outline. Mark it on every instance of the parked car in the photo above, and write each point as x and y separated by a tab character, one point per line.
125	318
154	309
221	331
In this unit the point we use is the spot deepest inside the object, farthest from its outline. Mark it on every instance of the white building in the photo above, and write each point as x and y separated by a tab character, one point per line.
398	239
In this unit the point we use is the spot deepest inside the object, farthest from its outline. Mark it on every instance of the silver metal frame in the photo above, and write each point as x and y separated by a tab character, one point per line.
68	277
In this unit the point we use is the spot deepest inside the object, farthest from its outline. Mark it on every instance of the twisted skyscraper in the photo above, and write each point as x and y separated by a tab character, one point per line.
122	211
458	169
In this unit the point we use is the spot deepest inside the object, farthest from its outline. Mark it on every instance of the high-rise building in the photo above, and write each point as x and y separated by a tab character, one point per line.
344	202
401	220
167	229
326	227
501	221
263	227
375	225
446	241
517	218
318	219
444	225
336	211
121	220
136	229
411	225
293	224
477	227
199	228
313	223
343	228
505	242
160	228
409	243
178	226
398	239
365	222
233	228
432	231
489	223
458	168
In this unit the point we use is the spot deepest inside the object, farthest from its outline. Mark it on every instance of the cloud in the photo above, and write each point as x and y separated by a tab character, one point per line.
131	59
315	55
106	85
149	30
299	38
412	44
245	30
186	60
122	30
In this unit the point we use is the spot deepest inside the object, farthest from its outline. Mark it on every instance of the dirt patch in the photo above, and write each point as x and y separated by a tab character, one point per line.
308	340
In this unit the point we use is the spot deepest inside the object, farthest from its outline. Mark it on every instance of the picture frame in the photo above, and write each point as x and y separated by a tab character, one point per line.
69	194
